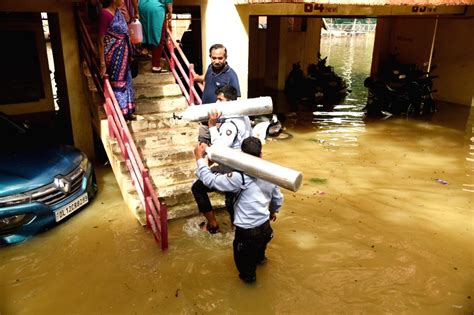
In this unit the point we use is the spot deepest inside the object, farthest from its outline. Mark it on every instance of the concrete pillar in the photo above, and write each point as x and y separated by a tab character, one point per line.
283	43
272	52
80	116
222	23
312	40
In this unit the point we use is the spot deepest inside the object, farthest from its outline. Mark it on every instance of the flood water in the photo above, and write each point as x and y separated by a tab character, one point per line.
383	223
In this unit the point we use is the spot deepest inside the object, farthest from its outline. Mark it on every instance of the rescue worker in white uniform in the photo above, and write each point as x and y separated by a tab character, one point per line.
231	133
256	203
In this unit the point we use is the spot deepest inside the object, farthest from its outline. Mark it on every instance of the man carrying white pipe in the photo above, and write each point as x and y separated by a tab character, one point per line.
231	133
217	75
256	204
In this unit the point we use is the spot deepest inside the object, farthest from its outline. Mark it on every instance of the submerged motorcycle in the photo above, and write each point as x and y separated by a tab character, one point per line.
321	85
400	89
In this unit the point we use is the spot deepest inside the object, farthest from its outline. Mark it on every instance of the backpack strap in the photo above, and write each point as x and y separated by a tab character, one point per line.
236	134
242	187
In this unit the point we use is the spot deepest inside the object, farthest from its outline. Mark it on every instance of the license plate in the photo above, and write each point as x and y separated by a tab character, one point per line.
71	207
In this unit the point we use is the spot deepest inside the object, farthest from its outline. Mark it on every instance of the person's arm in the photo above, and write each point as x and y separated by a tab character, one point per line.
199	77
169	13
105	18
100	44
275	203
135	8
222	182
234	81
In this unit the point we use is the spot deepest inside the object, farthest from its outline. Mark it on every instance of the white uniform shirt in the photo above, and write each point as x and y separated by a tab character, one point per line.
232	132
255	201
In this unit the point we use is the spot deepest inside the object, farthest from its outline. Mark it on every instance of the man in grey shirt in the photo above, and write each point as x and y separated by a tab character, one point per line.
256	203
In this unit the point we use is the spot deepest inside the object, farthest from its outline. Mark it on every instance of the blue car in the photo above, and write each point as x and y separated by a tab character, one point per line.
40	184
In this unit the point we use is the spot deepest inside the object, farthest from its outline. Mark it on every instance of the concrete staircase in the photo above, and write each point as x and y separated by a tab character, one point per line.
164	143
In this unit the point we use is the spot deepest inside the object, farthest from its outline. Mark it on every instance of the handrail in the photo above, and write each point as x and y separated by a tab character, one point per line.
155	209
89	53
191	95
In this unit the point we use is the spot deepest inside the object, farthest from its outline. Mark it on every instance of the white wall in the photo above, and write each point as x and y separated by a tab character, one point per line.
222	23
454	57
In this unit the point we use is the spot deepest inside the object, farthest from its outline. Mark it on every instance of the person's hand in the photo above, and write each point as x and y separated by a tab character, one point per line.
103	69
199	150
169	17
273	216
136	16
213	115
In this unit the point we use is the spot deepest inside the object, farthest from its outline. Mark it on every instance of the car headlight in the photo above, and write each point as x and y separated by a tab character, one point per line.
13	221
84	163
14	200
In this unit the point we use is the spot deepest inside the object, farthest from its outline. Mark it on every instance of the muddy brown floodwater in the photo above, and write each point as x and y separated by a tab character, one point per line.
370	231
383	223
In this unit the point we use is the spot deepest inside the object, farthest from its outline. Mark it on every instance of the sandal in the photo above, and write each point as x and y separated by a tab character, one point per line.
156	69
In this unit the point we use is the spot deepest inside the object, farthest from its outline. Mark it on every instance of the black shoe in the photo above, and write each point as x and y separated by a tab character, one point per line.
207	227
248	279
262	262
130	117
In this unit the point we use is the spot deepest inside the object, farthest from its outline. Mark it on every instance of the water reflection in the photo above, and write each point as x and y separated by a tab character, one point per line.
351	58
469	185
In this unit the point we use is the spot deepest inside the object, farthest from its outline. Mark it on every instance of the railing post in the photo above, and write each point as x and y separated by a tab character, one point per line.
164	226
170	45
191	83
146	194
110	118
125	140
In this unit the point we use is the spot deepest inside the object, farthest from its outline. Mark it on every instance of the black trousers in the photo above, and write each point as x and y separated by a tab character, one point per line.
200	192
249	249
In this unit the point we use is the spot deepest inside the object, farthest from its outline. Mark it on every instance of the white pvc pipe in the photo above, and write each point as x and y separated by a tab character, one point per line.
249	107
257	167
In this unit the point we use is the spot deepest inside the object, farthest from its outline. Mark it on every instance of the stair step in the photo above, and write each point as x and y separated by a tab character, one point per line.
154	79
159	121
156	157
172	175
161	105
144	66
186	200
164	90
187	209
182	210
167	138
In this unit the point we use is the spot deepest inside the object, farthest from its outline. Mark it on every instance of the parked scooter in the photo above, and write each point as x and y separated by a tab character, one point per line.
264	127
400	89
321	85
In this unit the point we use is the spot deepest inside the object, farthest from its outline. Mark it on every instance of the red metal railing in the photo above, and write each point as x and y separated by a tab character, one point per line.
172	46
155	209
89	52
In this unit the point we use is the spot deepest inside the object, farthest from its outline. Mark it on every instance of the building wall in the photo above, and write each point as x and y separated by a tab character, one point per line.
304	45
46	103
222	23
412	40
80	117
454	57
